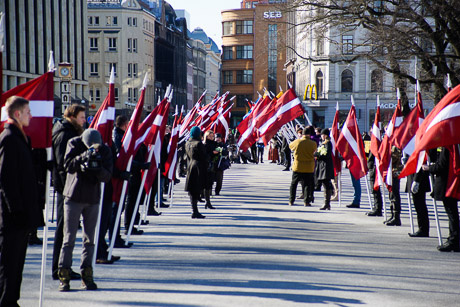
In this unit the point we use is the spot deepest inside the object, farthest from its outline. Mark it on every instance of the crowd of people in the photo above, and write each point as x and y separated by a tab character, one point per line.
81	162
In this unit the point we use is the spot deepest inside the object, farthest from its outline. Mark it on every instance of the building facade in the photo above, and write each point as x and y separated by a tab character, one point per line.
253	52
32	30
325	70
121	37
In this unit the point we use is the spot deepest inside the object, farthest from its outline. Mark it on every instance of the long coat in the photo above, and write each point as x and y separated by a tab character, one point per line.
324	166
19	208
197	166
441	170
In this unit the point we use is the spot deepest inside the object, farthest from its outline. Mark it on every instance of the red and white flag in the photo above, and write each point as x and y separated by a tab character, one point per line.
154	141
222	123
288	107
2	31
187	122
385	166
376	141
246	128
404	136
103	120
439	129
350	145
334	138
40	93
171	161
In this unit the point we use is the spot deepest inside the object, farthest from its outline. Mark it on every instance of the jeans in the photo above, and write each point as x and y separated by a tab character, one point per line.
72	212
357	186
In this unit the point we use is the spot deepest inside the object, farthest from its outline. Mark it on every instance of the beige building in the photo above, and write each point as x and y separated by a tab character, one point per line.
32	30
121	37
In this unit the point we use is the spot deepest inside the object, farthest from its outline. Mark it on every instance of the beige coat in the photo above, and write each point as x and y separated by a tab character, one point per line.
302	151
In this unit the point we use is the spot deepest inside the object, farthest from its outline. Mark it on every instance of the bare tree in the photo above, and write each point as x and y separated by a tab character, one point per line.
396	31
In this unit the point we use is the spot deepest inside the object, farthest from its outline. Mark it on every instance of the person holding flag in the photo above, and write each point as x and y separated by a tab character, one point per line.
19	209
196	170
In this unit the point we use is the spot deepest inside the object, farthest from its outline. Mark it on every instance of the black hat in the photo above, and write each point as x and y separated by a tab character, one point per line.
325	131
218	135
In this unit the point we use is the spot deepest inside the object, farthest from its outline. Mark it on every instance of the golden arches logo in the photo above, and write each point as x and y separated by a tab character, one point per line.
309	92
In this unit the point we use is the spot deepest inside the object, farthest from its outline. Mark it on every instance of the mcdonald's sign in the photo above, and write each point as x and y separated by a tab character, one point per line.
309	92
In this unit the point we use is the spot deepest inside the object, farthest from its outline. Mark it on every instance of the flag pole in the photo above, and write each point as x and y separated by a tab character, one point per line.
384	205
411	217
120	207
146	204
171	193
45	228
340	188
98	225
159	197
138	199
368	193
435	207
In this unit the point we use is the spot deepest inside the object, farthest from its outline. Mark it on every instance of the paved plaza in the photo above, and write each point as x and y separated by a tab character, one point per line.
255	250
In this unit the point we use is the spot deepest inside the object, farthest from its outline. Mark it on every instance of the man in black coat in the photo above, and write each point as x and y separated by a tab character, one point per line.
70	126
441	170
19	209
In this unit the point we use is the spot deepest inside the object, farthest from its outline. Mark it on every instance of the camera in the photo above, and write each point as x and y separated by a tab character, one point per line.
94	161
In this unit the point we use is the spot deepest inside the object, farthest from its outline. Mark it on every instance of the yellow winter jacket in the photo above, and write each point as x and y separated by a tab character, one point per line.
302	151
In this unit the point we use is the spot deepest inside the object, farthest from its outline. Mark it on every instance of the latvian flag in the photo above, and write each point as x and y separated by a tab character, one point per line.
40	93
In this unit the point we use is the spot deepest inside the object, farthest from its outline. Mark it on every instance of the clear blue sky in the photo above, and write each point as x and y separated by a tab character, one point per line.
206	15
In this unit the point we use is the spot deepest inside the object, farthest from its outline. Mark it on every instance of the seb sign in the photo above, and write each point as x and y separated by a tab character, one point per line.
273	15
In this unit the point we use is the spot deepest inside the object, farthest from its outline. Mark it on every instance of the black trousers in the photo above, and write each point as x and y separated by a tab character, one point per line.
194	201
133	190
450	205
419	200
395	196
59	233
377	194
307	179
106	216
13	247
219	177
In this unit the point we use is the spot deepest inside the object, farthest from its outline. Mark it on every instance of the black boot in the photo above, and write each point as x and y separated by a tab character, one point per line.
327	200
207	194
195	214
395	221
87	281
391	217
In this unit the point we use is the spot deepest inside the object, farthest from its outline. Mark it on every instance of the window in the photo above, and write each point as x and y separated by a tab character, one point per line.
93	44
130	69
96	20
135	70
376	81
116	94
91	95
134	21
347	44
90	20
130	21
227	28
112	44
115	20
228	53
134	44
347	81
319	83
244	52
94	69
244	27
98	94
244	76
130	93
319	46
114	66
248	5
130	42
109	20
135	94
228	77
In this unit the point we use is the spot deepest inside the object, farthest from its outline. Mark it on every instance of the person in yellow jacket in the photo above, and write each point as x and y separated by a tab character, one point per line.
303	167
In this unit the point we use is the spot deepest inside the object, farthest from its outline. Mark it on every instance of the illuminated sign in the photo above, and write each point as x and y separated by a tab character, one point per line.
309	92
273	15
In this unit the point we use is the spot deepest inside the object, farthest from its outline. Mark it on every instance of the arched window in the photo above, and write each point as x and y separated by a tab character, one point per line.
347	81
376	81
319	83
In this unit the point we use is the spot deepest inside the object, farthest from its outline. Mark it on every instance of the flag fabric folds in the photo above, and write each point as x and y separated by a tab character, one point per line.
40	93
171	161
103	120
334	138
350	145
376	141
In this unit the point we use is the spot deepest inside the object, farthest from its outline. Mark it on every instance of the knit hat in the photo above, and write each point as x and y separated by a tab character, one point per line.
325	131
195	133
91	136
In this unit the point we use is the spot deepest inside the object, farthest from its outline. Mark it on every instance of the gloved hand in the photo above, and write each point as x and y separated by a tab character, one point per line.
415	187
124	175
404	159
145	165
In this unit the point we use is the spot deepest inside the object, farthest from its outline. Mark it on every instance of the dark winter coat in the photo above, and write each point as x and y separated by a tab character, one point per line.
84	186
324	166
19	208
197	166
117	137
63	131
441	170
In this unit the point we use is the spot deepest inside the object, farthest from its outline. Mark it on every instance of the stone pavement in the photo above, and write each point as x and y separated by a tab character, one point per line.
255	250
